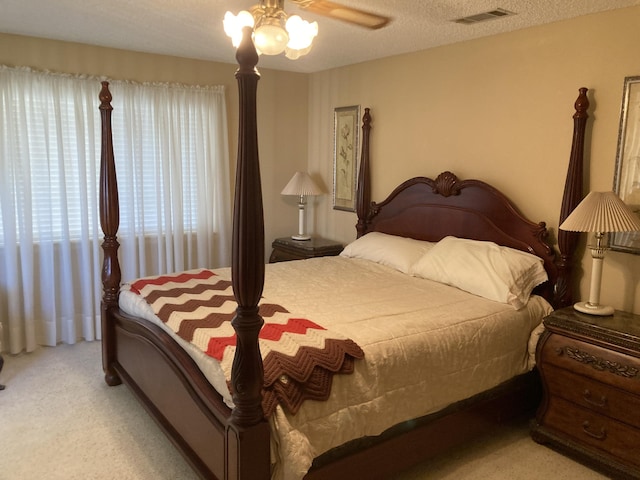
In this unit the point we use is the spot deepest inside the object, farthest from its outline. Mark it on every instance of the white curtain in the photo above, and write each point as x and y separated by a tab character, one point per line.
172	160
170	144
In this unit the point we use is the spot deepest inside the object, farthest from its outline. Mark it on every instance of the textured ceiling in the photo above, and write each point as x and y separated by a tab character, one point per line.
193	28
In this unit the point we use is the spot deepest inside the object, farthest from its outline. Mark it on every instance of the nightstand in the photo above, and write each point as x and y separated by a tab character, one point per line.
590	371
286	248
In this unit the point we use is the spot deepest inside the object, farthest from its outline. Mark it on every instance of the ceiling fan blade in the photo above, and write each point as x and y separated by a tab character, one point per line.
346	14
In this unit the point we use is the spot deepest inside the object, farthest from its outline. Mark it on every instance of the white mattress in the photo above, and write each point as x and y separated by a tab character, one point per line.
426	346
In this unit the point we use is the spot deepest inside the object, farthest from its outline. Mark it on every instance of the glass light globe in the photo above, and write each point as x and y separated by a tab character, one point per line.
270	38
293	54
301	32
233	25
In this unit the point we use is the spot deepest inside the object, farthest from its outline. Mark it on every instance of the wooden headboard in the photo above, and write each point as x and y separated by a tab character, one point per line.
462	208
474	209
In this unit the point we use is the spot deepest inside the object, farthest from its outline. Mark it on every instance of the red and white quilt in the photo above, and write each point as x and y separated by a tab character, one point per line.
299	356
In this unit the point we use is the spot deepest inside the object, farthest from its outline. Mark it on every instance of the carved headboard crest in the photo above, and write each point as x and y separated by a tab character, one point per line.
446	184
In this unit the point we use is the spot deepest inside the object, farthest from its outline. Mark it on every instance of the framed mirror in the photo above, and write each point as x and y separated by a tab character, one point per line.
626	180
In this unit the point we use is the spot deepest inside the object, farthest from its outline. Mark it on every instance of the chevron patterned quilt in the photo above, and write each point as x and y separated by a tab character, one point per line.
299	356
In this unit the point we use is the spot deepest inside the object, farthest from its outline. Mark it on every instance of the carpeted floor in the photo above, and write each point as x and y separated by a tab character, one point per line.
60	421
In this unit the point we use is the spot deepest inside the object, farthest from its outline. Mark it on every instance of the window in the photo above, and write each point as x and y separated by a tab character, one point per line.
54	168
172	161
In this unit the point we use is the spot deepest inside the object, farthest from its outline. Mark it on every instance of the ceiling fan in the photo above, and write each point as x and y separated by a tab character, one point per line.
275	32
343	13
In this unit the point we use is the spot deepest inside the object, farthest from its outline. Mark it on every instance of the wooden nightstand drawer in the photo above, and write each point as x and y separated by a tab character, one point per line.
593	395
590	371
597	431
606	366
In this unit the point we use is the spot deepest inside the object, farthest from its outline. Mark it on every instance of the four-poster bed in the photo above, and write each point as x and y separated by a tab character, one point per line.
235	442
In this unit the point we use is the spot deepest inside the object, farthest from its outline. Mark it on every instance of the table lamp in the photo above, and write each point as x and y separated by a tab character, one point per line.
301	185
599	212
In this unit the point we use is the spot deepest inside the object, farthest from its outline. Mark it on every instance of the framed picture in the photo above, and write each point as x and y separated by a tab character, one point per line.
345	156
626	180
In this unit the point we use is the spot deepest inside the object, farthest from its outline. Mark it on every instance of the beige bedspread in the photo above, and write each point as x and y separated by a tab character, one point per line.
426	346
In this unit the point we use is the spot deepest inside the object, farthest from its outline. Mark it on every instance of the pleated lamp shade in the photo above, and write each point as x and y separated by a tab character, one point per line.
601	212
301	184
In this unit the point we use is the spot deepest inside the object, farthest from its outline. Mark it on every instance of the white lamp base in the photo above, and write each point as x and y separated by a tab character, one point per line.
301	221
593	309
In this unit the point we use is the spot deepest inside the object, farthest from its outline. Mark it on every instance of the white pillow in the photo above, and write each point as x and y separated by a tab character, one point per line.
483	268
390	250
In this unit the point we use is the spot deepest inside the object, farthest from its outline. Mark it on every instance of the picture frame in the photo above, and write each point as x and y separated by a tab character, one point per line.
626	180
346	139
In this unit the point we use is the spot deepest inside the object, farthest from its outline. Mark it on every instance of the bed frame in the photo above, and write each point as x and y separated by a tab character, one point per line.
227	444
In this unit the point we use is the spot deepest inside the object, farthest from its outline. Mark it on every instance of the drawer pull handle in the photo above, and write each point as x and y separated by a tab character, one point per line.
600	403
586	428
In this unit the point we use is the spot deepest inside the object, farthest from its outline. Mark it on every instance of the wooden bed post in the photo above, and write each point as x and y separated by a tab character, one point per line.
363	198
567	241
109	222
248	452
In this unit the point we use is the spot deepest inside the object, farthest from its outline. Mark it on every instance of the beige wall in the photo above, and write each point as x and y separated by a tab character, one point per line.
499	109
282	105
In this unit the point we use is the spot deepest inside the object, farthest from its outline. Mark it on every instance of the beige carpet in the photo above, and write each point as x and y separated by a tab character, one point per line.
59	420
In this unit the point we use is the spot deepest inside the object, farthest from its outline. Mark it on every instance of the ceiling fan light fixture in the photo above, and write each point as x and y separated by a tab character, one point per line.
269	36
293	54
301	33
233	25
273	31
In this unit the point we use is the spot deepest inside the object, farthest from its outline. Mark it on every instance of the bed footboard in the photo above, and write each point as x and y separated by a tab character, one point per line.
174	392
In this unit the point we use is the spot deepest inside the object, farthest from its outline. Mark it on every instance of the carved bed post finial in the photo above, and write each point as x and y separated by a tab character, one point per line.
247	265
363	198
573	193
109	222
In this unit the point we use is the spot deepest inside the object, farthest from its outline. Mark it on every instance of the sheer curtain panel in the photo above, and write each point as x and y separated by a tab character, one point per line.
170	144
